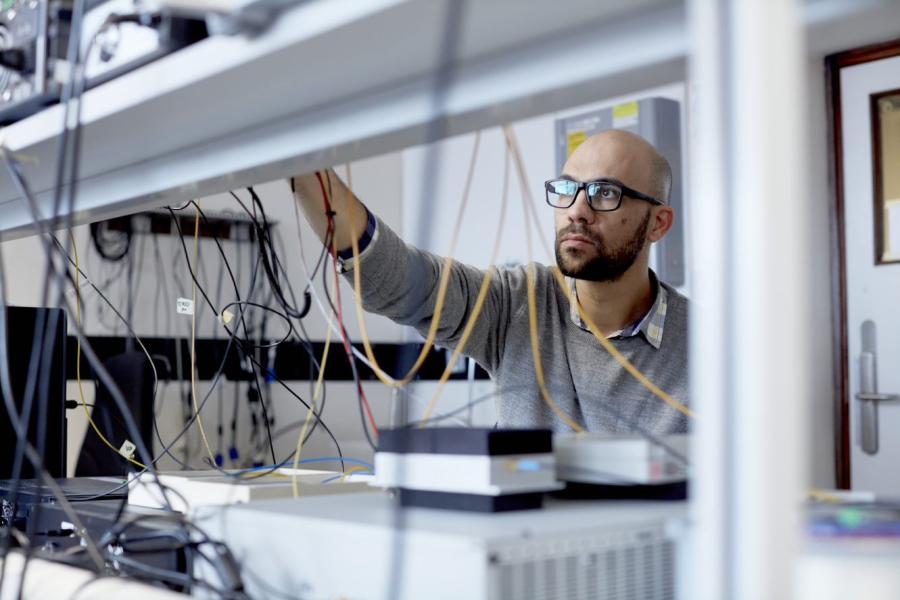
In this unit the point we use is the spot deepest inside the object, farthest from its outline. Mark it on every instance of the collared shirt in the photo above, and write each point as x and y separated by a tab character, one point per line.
651	325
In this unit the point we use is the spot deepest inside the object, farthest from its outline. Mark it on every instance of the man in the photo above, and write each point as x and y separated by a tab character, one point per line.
610	206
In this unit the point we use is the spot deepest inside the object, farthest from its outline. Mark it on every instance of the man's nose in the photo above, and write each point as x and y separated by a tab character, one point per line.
580	211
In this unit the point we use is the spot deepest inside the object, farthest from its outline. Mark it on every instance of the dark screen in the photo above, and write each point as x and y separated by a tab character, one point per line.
47	374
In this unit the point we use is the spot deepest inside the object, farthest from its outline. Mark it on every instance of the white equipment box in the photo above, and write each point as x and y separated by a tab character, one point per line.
362	546
188	490
616	459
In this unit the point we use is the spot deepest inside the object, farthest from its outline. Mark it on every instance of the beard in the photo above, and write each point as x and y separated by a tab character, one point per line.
610	263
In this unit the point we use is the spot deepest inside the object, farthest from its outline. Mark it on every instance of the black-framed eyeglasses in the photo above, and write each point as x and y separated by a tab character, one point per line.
603	195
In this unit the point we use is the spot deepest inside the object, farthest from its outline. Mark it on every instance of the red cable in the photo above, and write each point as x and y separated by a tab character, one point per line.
337	289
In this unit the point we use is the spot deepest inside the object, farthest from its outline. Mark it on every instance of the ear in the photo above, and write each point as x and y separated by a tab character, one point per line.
660	222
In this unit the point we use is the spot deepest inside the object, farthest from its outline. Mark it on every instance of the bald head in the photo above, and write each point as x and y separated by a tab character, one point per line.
624	156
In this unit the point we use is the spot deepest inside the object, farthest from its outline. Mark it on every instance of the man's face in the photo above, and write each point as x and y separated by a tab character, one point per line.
583	252
602	246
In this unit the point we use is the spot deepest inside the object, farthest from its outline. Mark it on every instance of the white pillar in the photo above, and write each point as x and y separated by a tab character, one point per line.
705	572
750	352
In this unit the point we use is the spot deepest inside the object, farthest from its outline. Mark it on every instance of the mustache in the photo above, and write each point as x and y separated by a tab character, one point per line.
575	229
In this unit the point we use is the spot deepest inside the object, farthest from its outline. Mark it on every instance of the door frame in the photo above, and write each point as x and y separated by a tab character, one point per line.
833	65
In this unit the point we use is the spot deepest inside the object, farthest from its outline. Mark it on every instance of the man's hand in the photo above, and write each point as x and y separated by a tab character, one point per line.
350	217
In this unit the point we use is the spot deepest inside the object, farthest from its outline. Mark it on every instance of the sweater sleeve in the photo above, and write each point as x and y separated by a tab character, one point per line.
401	282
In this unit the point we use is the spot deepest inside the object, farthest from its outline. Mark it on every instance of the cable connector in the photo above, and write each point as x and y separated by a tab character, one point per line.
226	317
127	449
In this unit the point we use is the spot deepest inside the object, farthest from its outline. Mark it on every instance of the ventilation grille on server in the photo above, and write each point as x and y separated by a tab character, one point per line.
644	570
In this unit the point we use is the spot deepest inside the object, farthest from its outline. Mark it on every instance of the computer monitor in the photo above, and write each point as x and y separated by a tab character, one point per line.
49	373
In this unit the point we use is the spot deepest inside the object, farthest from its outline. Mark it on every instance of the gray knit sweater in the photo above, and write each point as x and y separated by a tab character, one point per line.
401	282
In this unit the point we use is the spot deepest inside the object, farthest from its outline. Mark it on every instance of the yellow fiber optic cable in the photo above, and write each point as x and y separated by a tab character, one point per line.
624	362
212	456
87	413
442	287
479	300
533	327
309	413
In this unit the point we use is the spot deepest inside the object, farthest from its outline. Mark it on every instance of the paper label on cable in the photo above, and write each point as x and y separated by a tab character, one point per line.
184	306
127	449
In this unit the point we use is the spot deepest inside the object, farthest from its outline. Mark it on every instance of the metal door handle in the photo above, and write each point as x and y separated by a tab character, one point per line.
868	396
873	397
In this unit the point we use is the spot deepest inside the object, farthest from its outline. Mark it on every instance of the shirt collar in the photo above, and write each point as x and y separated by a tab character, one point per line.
651	325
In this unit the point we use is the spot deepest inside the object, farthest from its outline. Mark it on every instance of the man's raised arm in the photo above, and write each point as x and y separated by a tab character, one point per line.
350	215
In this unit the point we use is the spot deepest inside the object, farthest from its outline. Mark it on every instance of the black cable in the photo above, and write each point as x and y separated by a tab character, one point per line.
243	344
121	242
255	362
305	338
271	262
70	89
60	278
133	334
225	261
104	285
220	421
216	378
218	374
21	434
265	309
37	379
269	255
351	359
40	332
305	342
96	364
328	243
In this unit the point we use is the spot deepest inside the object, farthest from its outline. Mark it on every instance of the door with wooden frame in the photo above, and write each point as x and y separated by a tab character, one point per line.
865	106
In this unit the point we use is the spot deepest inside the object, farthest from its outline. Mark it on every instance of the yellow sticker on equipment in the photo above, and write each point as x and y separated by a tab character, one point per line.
625	114
573	140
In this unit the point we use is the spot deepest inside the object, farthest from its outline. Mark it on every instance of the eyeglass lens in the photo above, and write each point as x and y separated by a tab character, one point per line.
602	195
